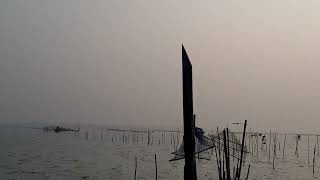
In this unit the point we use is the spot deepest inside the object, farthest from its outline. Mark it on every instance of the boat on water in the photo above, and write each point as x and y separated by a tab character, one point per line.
61	129
58	129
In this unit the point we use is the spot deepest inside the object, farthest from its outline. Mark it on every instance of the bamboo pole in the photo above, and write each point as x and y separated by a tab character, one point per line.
269	146
314	154
318	145
223	168
308	150
284	145
148	137
155	160
248	172
252	146
217	160
257	145
233	144
226	154
297	143
219	155
101	134
242	148
135	168
249	139
274	151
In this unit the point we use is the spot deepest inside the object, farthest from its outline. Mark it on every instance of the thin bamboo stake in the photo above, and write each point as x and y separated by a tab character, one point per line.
284	145
101	135
217	159
221	170
237	169
308	150
297	143
233	149
135	168
225	142
248	172
274	151
242	148
257	145
155	160
252	146
318	145
249	139
314	156
269	146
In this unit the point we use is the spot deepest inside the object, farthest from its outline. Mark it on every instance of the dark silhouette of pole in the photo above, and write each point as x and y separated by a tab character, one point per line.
190	172
226	152
248	172
155	160
242	148
135	168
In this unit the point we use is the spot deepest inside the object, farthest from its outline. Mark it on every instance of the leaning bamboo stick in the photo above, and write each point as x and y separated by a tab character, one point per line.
242	148
248	172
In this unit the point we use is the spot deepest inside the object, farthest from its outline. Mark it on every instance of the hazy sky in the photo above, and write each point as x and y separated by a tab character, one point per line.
119	62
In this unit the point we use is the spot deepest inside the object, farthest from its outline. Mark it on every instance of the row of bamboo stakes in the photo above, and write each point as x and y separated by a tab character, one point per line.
148	137
275	145
253	142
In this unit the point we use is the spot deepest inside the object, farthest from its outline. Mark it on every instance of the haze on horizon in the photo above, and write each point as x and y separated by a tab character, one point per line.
119	62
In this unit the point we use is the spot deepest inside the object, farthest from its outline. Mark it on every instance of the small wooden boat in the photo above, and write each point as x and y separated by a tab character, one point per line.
61	129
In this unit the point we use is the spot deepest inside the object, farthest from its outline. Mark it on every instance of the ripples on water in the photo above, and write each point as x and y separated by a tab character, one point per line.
32	154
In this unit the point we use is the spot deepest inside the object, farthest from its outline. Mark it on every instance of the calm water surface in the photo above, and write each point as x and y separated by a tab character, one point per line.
32	154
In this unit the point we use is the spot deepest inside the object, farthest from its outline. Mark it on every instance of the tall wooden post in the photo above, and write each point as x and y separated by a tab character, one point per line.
190	172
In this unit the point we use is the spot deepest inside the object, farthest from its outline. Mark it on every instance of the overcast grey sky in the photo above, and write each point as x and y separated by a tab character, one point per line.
119	62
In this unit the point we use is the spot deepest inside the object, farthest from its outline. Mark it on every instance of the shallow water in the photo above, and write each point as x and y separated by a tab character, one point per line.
33	154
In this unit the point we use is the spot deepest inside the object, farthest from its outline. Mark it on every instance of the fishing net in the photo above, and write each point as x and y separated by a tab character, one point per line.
204	145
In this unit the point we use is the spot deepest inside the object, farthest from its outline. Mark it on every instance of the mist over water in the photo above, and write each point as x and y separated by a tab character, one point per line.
88	88
118	63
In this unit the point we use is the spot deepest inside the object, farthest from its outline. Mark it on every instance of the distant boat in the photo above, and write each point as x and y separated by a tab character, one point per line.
59	129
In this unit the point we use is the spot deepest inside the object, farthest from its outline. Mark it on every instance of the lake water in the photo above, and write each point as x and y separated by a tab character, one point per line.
33	154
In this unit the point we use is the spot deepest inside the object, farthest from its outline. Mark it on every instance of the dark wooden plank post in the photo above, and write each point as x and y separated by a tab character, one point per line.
190	172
